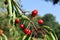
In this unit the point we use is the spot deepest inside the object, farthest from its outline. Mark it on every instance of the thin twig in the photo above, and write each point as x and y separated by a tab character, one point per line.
19	7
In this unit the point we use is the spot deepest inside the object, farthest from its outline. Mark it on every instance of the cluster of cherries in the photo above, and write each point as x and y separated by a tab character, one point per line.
34	13
26	30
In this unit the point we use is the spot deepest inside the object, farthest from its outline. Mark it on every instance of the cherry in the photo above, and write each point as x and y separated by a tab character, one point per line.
34	13
1	32
21	26
40	21
27	31
17	20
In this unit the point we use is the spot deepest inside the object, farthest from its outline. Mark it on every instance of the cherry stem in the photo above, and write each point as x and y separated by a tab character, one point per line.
18	7
24	22
28	25
33	24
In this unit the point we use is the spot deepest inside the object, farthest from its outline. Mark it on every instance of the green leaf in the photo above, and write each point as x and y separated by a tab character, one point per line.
0	38
30	38
52	36
24	37
48	28
52	33
48	37
5	36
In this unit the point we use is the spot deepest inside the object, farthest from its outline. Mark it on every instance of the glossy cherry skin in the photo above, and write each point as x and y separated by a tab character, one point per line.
40	21
34	13
22	26
27	31
17	20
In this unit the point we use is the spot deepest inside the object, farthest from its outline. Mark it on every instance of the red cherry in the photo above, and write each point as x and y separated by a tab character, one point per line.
17	20
1	32
40	21
21	26
27	31
34	13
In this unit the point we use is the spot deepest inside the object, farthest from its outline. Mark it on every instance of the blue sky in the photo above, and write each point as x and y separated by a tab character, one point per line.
43	7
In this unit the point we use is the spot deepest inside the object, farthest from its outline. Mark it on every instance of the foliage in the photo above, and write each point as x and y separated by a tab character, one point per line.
51	21
33	30
54	1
